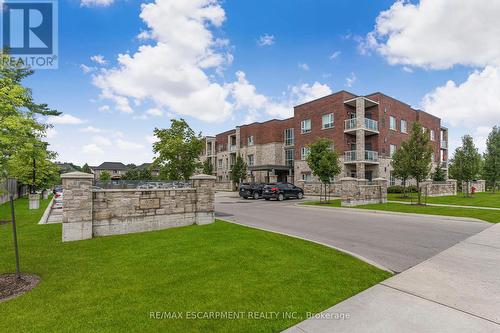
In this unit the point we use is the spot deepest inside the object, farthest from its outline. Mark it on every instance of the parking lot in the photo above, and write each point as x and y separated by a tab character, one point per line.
396	242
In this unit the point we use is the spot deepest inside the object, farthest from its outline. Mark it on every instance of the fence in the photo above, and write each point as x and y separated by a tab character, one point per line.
439	189
11	186
359	192
90	211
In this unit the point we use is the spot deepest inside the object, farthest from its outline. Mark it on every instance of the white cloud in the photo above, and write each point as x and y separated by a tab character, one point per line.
90	129
335	55
104	108
266	40
151	139
87	69
407	69
128	145
472	104
101	140
51	133
154	112
92	149
98	59
303	66
65	119
349	81
438	34
171	72
96	3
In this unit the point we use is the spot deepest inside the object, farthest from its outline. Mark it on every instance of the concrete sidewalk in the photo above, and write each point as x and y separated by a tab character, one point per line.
457	290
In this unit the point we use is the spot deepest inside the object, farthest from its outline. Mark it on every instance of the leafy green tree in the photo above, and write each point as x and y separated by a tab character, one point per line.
491	168
324	162
401	165
419	155
144	174
208	167
177	149
439	174
86	168
466	162
239	170
132	174
104	176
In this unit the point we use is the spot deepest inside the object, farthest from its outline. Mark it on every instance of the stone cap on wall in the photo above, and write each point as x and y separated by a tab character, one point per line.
77	174
379	179
202	177
348	179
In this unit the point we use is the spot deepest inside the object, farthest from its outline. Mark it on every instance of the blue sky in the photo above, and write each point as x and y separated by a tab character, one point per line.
223	63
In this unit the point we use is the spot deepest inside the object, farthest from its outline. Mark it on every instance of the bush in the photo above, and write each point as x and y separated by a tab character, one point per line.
399	189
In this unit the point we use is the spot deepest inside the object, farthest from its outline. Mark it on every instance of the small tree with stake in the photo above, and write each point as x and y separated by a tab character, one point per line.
466	163
208	167
324	163
419	153
401	166
239	170
491	168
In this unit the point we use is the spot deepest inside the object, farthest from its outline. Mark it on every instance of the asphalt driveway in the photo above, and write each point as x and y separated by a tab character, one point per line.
393	241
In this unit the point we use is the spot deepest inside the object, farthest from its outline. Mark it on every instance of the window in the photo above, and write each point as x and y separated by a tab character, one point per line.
392	180
250	160
289	138
403	126
392	123
219	163
305	126
392	150
306	176
250	140
289	158
327	120
433	135
304	152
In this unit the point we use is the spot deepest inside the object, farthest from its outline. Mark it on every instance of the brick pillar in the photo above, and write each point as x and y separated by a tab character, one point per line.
360	137
205	198
382	182
77	206
349	189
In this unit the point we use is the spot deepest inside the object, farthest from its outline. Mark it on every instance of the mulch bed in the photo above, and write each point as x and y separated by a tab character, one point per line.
11	286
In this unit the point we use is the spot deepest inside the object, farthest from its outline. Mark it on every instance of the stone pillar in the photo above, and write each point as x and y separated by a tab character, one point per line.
205	198
34	201
453	183
349	189
77	206
382	182
45	194
360	137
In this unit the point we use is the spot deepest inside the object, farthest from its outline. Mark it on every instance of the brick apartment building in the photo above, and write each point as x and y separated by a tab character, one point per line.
366	131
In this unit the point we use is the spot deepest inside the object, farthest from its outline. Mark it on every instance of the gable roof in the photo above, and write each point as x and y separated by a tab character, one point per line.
111	166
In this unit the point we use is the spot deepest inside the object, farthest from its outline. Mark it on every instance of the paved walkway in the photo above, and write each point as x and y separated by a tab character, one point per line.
445	205
457	290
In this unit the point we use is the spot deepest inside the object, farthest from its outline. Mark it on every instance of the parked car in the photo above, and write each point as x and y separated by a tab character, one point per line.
251	190
281	191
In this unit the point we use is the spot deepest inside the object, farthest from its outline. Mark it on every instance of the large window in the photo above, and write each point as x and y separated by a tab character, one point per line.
289	138
392	123
289	158
219	163
306	176
250	140
404	126
327	121
392	150
304	152
251	160
433	135
305	126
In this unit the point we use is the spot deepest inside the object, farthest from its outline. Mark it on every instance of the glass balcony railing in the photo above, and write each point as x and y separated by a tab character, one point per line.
232	148
370	156
350	156
444	144
370	124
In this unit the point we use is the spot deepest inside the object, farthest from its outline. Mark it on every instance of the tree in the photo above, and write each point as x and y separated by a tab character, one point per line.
132	174
401	165
419	155
86	168
177	149
491	168
144	174
439	174
466	163
323	161
208	167
239	170
104	176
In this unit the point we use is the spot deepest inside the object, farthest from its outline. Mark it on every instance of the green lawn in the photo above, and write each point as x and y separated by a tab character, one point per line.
112	284
482	214
482	199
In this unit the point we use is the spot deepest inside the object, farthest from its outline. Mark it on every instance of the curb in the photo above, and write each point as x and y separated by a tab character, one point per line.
46	213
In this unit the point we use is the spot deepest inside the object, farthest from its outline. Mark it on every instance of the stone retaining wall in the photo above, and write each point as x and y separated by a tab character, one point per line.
88	213
314	188
224	186
439	189
357	191
479	185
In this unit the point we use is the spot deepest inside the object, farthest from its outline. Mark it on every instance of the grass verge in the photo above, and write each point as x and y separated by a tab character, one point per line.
482	199
112	284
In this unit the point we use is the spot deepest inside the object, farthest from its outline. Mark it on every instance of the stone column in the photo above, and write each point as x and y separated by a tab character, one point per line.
205	198
360	137
382	182
77	206
349	190
33	201
453	183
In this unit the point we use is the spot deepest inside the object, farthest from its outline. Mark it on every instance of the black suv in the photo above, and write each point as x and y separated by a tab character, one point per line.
281	191
253	190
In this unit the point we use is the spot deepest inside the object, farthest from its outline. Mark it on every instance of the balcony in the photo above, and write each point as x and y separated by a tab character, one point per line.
232	148
370	157
370	126
444	144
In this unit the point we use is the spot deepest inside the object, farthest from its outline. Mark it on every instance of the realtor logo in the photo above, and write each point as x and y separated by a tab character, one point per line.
29	32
